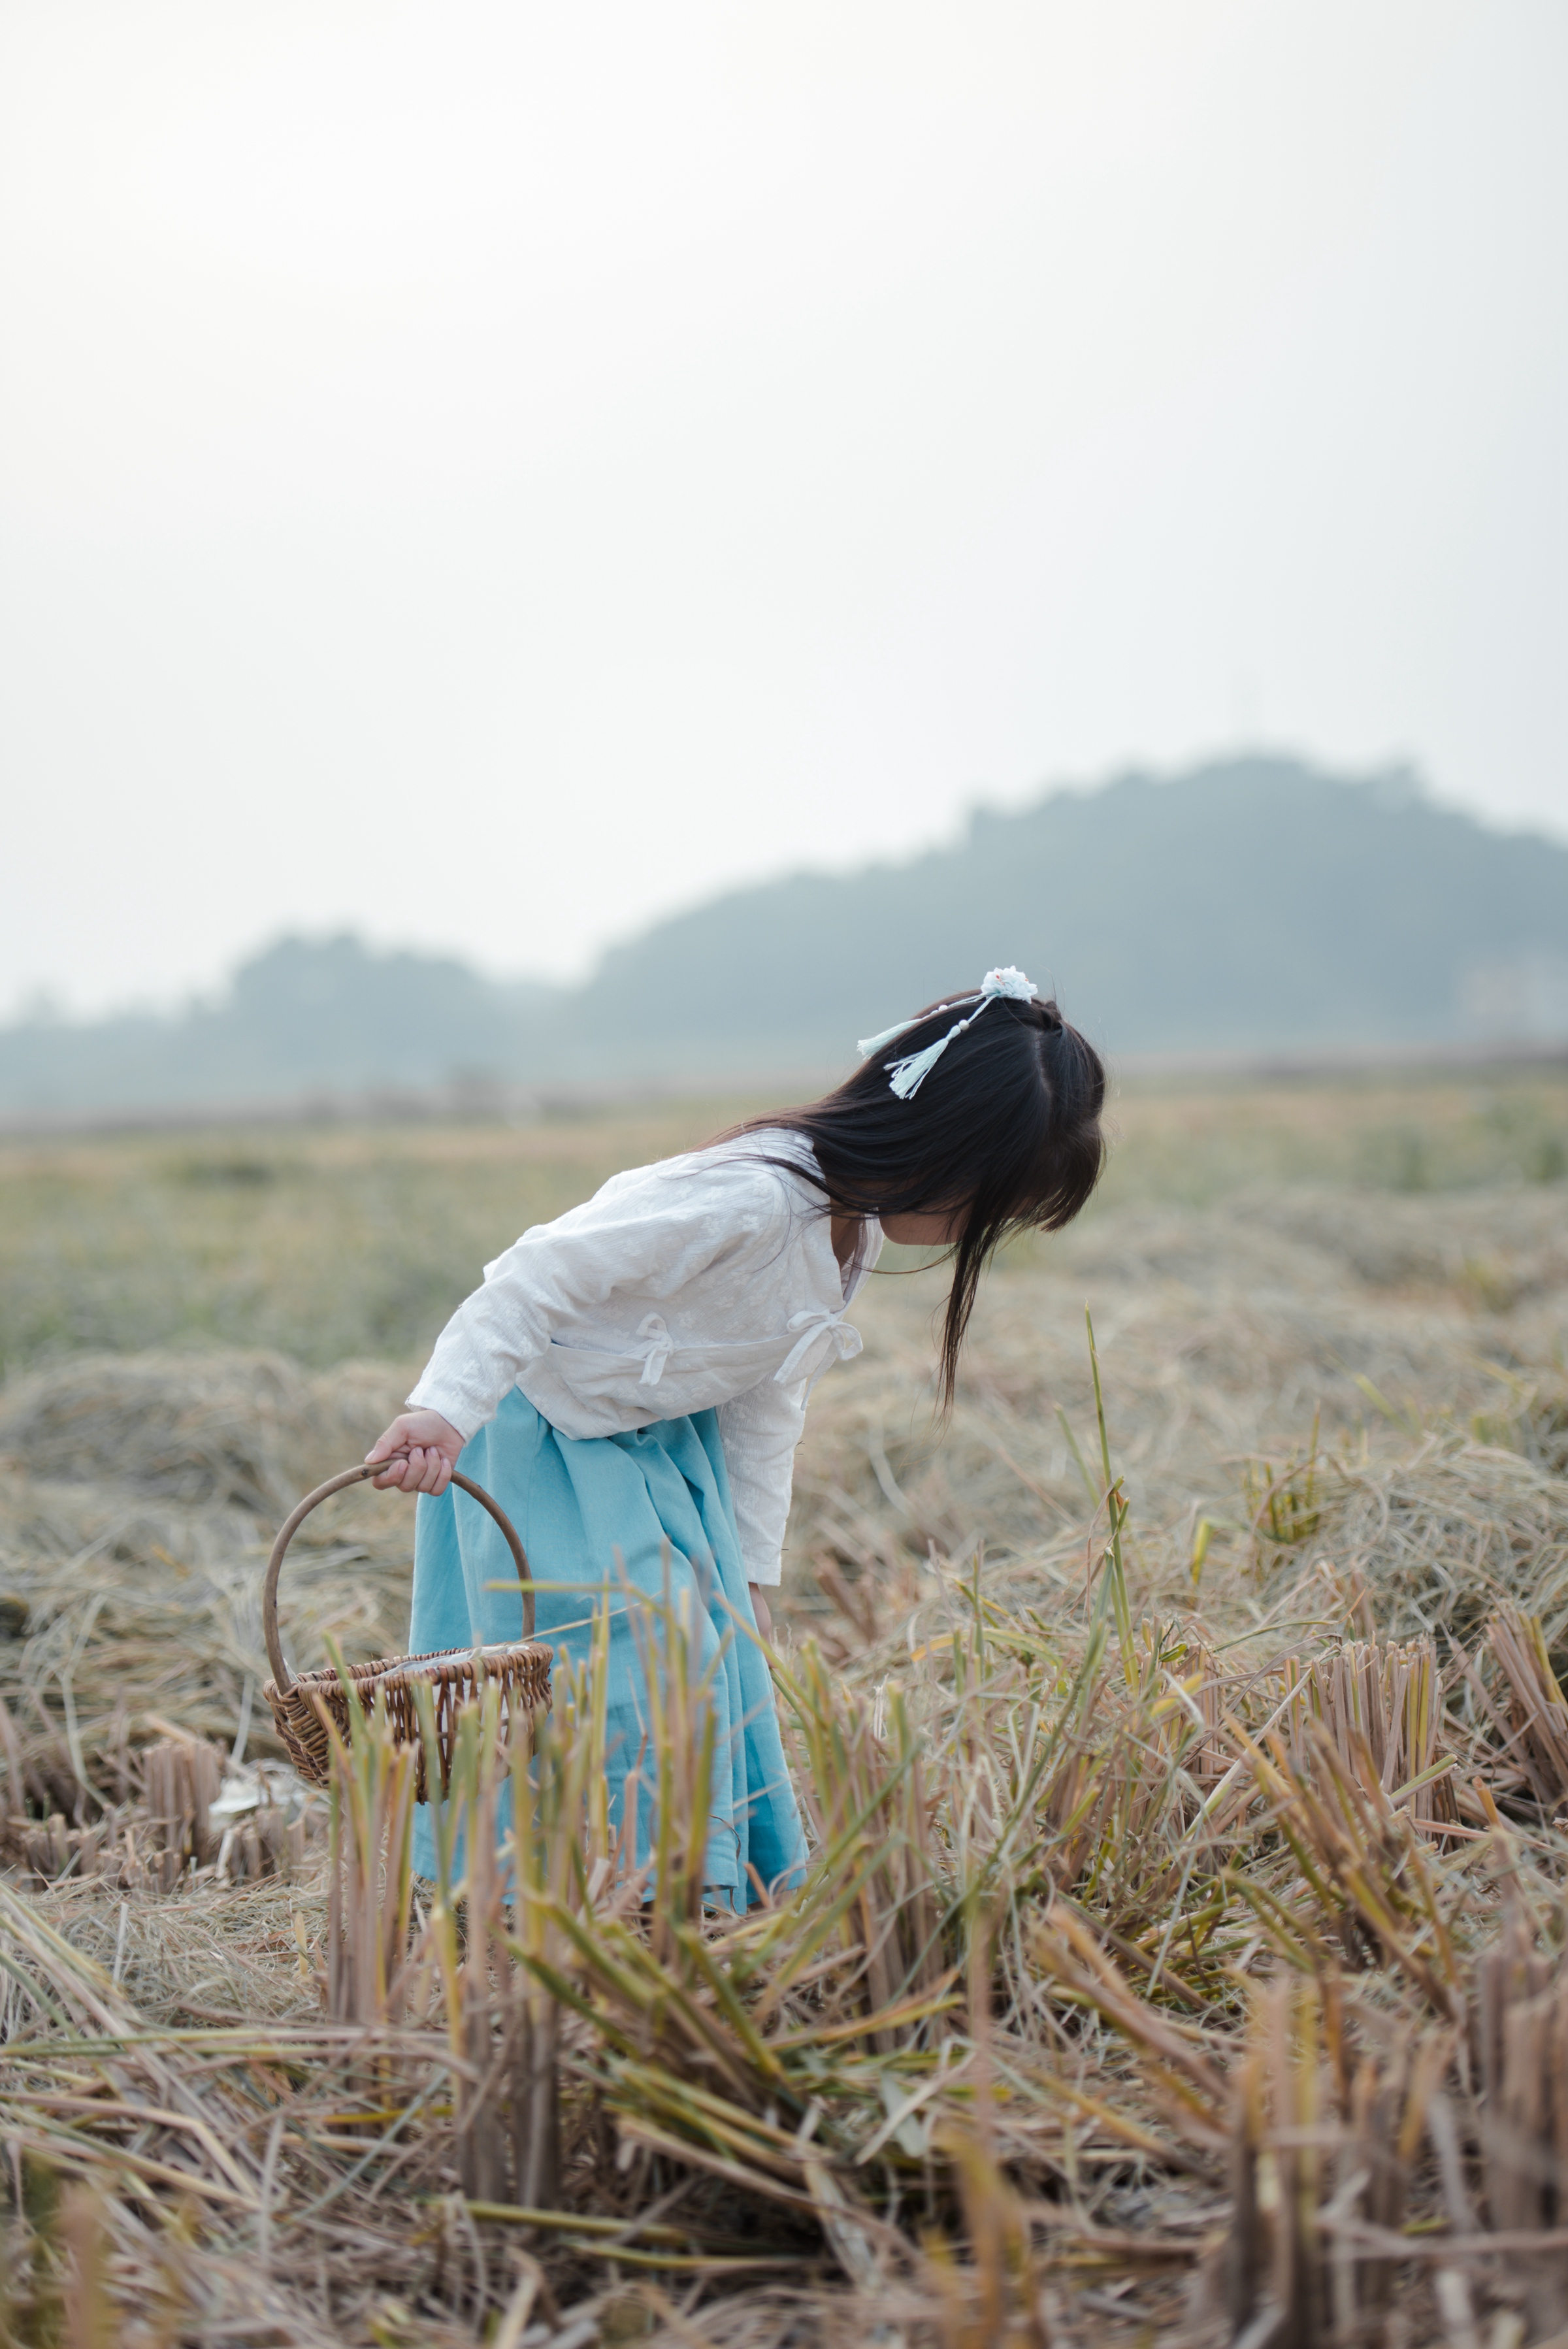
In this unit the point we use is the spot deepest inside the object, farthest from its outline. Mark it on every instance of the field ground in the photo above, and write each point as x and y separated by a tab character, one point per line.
343	1243
1331	1322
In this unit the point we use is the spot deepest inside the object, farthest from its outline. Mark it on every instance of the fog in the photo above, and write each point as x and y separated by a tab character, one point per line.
488	475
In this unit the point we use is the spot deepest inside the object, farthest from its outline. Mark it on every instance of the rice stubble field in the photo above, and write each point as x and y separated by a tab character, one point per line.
1181	1957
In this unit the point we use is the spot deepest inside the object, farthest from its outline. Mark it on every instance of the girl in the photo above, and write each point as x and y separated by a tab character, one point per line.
630	1383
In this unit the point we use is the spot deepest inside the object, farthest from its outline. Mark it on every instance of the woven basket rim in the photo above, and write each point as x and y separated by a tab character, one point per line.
317	1703
428	1664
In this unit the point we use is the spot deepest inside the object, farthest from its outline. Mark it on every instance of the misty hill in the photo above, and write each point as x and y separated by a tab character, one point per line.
304	1017
1252	905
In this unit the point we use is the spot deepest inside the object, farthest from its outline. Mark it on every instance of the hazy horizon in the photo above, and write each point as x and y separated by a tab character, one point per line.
1338	915
489	480
50	1006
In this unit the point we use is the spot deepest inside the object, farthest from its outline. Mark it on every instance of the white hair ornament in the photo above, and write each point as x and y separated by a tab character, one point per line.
907	1076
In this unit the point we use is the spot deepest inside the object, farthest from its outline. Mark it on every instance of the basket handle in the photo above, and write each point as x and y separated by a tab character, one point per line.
280	1674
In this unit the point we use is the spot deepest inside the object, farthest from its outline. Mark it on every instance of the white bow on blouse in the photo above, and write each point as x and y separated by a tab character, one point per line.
844	1342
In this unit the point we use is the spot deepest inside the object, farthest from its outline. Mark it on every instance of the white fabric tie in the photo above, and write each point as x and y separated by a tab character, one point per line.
661	1346
907	1076
814	1325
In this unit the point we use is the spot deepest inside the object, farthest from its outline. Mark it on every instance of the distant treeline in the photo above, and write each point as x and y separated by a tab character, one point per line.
1252	905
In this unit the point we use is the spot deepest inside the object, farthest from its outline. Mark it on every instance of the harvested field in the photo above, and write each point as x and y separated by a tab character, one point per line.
1181	1957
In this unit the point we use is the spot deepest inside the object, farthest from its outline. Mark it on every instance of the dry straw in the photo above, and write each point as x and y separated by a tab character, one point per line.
1176	1961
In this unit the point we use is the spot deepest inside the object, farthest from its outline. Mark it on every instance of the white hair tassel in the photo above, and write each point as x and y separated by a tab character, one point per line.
907	1076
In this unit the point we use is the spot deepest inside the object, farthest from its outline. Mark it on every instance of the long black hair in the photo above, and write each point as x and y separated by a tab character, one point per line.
1006	1124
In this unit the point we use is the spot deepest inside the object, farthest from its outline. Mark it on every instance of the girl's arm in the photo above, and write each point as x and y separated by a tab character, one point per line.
652	1231
759	1430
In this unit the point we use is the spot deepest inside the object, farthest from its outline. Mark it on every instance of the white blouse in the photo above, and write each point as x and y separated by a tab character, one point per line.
708	1279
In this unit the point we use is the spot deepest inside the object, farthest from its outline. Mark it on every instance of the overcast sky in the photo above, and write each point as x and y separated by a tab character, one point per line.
487	475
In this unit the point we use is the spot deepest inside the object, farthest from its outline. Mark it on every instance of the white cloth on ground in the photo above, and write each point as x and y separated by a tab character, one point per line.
707	1280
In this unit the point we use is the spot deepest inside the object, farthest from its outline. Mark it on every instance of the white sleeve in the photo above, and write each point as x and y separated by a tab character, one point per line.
653	1230
759	1430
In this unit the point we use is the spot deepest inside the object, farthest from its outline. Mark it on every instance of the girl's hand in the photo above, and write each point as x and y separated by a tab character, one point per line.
761	1609
420	1449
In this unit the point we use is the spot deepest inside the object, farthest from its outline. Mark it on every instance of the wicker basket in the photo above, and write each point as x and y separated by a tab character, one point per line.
302	1707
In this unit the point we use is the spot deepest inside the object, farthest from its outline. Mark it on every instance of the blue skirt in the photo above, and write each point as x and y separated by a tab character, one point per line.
644	1514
